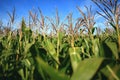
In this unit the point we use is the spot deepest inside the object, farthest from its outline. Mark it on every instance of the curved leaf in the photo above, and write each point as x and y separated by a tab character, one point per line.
87	69
113	48
74	56
53	74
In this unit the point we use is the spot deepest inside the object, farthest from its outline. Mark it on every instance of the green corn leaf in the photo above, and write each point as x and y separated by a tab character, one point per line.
23	25
60	36
111	71
87	69
93	30
53	74
26	62
86	44
95	47
21	73
74	56
113	25
51	49
27	46
7	53
101	49
24	72
113	48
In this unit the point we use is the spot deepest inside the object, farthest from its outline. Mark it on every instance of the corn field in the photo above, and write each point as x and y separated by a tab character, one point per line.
48	49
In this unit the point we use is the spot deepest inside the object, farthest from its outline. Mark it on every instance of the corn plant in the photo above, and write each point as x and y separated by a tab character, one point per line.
111	10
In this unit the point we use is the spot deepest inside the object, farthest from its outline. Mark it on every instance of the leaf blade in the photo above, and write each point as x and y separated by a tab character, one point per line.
86	69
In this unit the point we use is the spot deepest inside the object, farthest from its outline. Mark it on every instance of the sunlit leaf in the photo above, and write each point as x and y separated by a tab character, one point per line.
51	49
75	56
95	47
87	69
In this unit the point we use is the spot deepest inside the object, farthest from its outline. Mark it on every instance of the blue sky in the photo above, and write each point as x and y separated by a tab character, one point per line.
47	7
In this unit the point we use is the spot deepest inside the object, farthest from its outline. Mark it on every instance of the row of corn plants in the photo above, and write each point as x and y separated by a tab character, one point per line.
72	51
